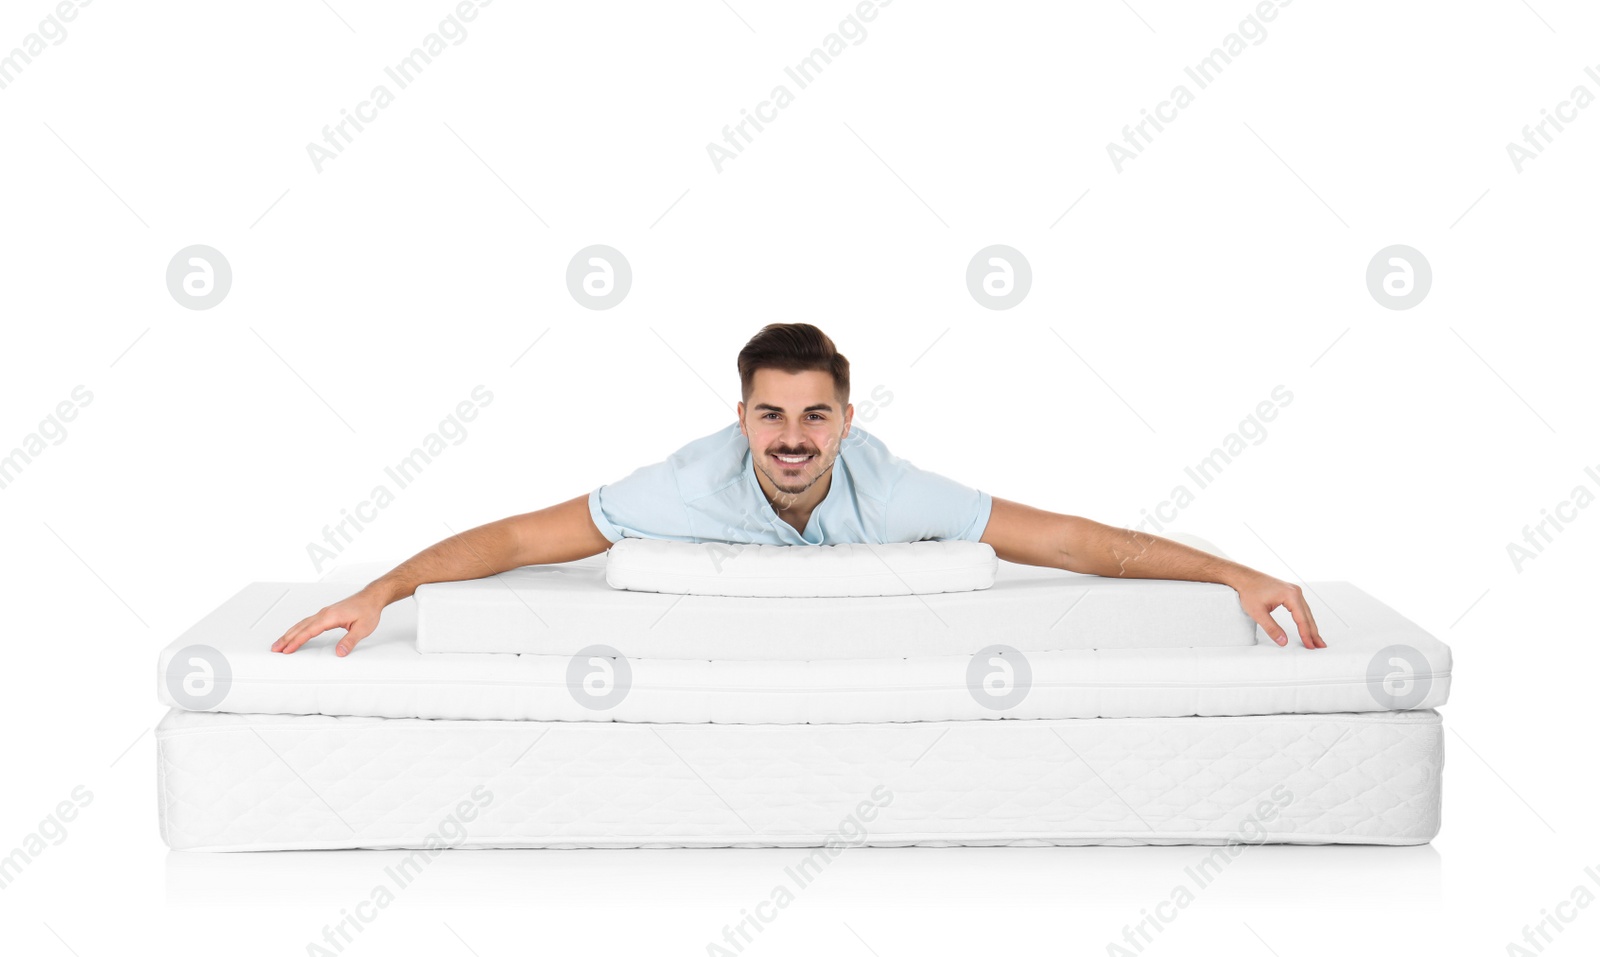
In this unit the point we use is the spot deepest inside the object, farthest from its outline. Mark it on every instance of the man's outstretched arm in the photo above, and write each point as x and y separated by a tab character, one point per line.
560	533
1031	536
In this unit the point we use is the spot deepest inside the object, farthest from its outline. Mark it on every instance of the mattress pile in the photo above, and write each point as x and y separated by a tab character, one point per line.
665	695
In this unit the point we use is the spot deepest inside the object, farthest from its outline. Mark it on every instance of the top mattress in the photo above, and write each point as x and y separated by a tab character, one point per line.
560	609
848	569
1376	660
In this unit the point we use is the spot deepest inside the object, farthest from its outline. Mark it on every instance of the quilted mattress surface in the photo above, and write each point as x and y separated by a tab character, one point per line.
562	608
234	782
1376	660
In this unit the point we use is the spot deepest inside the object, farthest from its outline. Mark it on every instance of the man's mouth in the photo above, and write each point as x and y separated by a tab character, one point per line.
792	461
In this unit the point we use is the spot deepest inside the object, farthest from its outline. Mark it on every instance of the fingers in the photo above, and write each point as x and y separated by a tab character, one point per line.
299	635
358	618
1272	628
358	630
294	629
1309	636
1299	610
306	630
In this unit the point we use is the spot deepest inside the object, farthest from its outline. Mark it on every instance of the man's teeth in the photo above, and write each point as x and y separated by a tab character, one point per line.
792	458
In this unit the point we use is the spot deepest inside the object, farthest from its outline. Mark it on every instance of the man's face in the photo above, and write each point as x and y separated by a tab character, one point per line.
795	415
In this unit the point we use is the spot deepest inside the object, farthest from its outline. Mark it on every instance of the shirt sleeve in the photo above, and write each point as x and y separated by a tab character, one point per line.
926	505
645	503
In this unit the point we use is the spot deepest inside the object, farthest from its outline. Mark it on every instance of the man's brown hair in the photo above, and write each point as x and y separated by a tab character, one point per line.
794	347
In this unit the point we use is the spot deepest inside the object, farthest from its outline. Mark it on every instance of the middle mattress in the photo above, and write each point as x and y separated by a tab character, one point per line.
560	609
1376	660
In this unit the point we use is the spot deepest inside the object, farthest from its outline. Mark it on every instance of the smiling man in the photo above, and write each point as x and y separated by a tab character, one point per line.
793	470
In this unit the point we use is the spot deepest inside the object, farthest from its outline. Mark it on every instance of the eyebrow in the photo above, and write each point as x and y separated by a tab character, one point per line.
821	406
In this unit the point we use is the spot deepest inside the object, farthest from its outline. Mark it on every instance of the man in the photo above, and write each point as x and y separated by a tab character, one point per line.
792	471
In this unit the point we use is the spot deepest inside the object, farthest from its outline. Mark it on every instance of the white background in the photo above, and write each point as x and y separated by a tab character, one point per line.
370	298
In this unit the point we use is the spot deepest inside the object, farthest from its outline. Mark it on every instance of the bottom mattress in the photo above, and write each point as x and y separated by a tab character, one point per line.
242	782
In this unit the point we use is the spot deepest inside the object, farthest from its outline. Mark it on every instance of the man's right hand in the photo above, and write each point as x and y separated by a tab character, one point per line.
358	615
560	533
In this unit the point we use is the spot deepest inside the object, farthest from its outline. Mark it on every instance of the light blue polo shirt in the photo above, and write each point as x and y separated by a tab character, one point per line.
708	491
